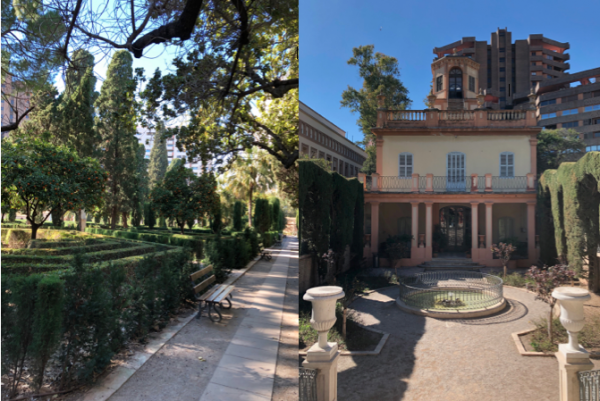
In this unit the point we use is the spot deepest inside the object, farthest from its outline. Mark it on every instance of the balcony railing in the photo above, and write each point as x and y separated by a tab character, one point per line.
444	184
441	118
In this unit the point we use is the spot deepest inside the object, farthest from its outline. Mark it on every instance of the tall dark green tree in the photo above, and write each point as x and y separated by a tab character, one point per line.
557	146
381	76
158	158
237	216
116	124
262	215
140	190
275	213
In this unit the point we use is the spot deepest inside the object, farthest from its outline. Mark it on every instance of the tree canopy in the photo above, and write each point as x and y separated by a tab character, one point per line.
557	146
46	177
381	76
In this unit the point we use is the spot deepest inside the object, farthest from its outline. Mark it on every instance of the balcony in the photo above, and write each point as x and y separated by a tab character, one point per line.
453	118
431	184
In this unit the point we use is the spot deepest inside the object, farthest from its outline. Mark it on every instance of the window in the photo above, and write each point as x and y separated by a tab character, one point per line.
501	69
502	33
472	84
533	73
566	99
405	165
548	57
533	53
548	67
502	59
591	121
455	83
502	50
548	102
503	89
304	149
405	226
503	99
569	112
506	227
592	148
502	79
533	63
507	164
596	134
549	115
553	126
592	108
439	83
571	124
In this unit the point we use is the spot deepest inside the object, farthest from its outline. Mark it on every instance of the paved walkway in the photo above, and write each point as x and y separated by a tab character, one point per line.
458	360
232	360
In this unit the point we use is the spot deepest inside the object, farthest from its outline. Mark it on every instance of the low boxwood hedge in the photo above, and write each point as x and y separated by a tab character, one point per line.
64	250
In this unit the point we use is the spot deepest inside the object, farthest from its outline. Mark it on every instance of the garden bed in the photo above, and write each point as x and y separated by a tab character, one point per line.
358	338
537	340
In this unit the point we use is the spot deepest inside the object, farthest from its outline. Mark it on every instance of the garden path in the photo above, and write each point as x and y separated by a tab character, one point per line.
240	354
459	360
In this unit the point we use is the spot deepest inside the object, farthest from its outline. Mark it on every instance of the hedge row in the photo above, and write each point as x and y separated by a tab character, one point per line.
66	250
331	211
84	315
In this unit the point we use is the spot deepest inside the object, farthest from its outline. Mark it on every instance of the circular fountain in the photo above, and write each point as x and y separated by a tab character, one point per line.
451	294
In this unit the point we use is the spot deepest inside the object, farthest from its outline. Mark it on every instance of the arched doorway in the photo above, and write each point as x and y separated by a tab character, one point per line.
456	83
455	229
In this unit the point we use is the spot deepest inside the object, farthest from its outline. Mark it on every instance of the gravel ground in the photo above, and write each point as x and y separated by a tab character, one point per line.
434	359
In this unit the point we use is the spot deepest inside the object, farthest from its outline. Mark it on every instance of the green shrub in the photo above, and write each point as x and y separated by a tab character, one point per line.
47	324
18	238
262	215
252	239
237	216
275	213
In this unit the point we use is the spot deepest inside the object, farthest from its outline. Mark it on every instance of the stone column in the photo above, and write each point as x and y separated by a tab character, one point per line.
379	161
531	253
324	355
533	148
488	229
474	230
572	357
374	227
428	230
82	220
415	224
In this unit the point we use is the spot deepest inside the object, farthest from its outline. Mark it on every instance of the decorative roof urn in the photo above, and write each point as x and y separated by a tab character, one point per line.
431	99
571	300
531	97
323	310
480	99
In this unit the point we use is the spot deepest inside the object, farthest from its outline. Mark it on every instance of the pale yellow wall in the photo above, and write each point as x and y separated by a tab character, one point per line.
482	153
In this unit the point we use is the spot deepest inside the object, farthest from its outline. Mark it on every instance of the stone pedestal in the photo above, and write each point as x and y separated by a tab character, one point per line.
568	365
572	357
325	360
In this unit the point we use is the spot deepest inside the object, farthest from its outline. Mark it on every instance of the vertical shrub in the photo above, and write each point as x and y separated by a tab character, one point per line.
149	216
252	240
237	216
262	215
216	220
12	215
275	213
47	326
19	295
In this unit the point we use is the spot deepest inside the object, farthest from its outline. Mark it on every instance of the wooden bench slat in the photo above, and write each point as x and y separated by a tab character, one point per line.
223	294
195	276
216	293
204	284
209	293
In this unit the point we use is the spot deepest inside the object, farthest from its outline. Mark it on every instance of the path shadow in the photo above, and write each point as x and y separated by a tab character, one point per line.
383	377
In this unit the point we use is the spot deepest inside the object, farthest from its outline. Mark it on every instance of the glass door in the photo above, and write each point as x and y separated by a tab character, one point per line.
455	172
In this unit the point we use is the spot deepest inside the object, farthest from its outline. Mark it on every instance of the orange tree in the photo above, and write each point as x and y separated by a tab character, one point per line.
45	177
183	196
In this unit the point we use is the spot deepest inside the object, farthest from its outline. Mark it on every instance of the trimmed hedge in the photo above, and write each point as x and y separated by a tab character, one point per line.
573	194
87	314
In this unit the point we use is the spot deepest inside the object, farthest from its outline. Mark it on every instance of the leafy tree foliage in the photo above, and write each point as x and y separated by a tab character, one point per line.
249	173
46	177
557	146
183	196
381	76
116	123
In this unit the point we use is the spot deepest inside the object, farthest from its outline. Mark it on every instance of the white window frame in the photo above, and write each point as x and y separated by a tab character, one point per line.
406	166
507	165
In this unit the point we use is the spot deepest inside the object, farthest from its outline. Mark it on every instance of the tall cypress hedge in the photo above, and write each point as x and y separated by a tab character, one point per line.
574	190
331	211
237	216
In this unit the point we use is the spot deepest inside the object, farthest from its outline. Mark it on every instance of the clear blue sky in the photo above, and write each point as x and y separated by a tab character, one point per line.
409	30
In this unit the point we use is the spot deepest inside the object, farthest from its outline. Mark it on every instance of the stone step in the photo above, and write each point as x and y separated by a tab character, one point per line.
453	268
450	263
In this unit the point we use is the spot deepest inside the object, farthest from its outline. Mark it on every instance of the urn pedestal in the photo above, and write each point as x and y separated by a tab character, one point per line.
323	355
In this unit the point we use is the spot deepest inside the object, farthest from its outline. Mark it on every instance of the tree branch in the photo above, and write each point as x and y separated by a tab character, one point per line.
15	125
182	29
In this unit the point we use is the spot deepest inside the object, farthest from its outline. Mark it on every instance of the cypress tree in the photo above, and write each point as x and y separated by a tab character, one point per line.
237	216
275	209
117	126
158	158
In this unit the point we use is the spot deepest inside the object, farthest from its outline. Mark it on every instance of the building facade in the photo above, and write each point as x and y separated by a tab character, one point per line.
15	102
572	101
147	139
457	181
509	70
320	138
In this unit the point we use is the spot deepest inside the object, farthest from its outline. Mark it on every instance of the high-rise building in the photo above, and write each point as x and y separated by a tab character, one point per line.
508	70
147	139
15	102
572	101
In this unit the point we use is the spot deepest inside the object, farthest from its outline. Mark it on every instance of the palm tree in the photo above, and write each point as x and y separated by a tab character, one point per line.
250	172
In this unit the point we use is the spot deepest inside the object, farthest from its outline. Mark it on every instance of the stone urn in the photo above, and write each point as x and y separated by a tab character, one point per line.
571	300
323	310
